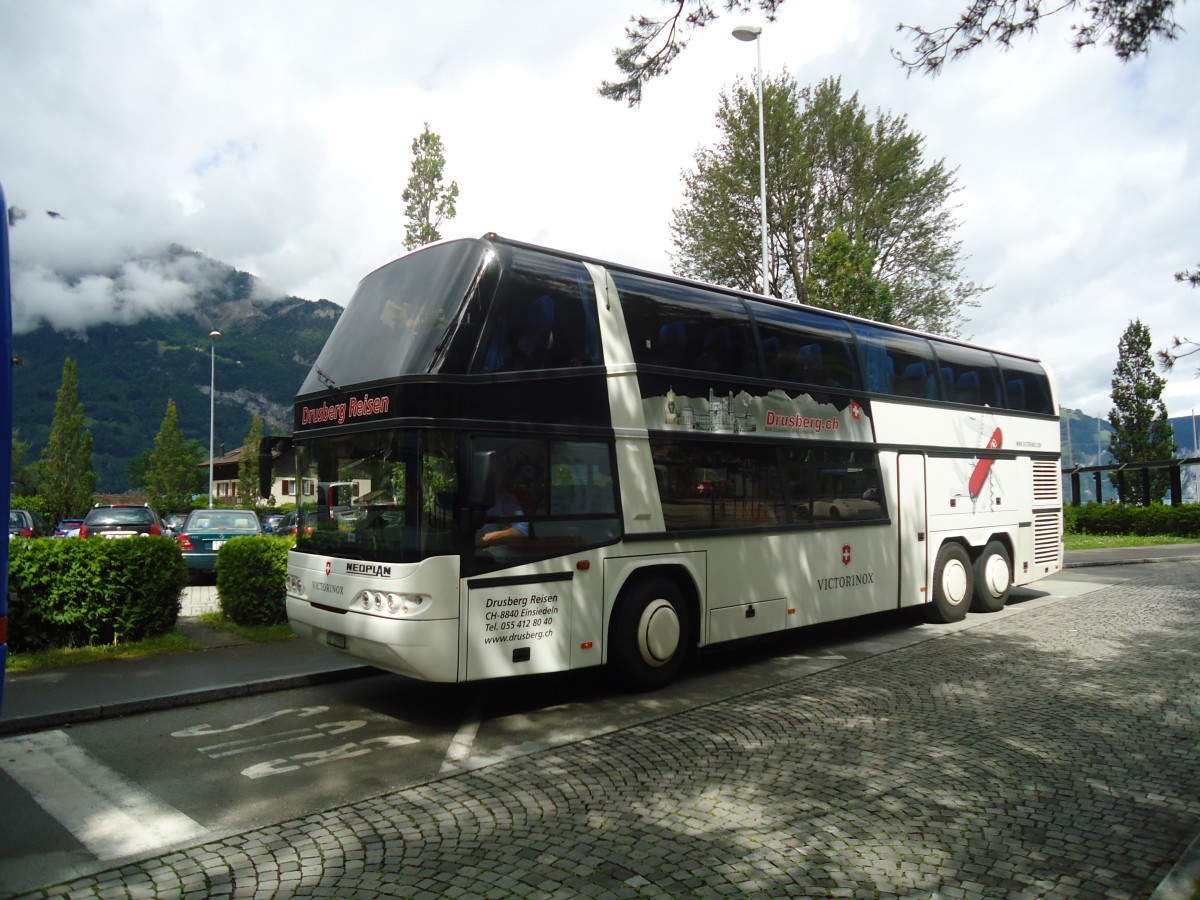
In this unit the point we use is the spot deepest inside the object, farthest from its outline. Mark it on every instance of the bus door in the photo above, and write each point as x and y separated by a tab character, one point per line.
913	528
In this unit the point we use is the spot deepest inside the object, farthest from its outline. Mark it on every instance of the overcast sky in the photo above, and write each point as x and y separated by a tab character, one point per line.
276	136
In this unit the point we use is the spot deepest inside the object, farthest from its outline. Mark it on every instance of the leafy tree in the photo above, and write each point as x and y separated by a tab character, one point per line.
170	475
68	481
841	278
429	201
1180	346
23	476
830	169
248	467
1128	26
1141	430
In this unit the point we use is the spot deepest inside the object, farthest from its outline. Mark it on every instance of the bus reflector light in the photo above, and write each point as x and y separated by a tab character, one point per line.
583	565
586	645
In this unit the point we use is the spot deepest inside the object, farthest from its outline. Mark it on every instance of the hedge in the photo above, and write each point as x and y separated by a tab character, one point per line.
1121	518
77	593
252	579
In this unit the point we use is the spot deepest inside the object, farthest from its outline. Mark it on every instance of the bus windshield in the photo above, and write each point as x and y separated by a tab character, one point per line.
389	496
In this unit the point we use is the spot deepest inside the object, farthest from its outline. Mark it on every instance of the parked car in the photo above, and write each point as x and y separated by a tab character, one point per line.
271	523
26	523
120	520
287	526
173	523
207	529
68	528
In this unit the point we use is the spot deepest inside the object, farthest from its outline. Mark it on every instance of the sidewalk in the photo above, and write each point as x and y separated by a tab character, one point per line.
227	667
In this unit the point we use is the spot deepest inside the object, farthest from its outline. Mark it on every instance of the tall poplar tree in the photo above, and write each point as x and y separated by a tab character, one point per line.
248	467
68	480
428	201
1141	429
171	467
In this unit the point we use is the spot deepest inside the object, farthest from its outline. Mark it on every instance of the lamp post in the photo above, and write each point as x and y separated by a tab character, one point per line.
754	33
212	397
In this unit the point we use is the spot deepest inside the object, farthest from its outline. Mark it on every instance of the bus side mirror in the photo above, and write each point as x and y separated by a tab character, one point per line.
482	495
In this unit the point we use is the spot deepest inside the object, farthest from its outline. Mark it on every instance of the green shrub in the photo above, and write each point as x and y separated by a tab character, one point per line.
252	578
80	593
1119	518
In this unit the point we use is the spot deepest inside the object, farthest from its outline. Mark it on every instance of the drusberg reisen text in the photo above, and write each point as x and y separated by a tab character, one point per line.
355	407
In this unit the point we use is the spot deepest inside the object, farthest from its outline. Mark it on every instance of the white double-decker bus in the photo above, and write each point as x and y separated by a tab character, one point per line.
557	463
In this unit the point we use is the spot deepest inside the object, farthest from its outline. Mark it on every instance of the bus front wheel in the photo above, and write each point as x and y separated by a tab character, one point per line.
993	578
952	578
649	637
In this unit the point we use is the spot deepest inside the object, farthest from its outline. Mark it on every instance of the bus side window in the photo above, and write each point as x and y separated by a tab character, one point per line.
1027	388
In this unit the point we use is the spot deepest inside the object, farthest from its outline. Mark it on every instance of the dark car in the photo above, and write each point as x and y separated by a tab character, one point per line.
68	528
287	525
271	523
118	520
26	523
207	529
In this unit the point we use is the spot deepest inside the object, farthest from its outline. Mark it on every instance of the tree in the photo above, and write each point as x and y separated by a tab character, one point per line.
1180	346
68	480
23	476
831	170
841	278
1141	430
248	467
170	476
429	202
1128	26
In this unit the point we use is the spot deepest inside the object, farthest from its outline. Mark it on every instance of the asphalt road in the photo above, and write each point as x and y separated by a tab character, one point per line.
1046	751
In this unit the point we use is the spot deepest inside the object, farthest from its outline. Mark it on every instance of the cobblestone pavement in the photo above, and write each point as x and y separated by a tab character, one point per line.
1048	754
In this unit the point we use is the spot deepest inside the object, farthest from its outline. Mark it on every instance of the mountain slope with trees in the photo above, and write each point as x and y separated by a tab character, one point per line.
126	373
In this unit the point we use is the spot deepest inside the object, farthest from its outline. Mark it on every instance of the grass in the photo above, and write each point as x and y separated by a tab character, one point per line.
256	634
175	642
1108	541
77	656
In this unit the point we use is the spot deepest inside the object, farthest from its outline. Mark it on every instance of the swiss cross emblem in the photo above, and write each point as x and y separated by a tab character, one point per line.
328	566
855	409
845	554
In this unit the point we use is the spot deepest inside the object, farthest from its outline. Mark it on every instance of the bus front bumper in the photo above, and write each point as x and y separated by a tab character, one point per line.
426	649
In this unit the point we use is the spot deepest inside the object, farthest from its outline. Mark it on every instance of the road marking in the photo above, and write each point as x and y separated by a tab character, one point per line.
109	815
464	739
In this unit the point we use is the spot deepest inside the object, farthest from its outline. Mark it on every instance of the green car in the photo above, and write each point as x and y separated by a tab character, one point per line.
207	529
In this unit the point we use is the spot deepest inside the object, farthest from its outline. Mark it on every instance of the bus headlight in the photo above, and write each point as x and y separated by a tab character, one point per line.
295	587
387	601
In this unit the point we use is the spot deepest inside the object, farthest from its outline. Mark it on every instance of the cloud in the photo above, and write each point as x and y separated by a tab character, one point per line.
276	138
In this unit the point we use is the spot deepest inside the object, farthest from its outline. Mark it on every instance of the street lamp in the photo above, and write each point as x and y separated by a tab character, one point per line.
753	33
212	396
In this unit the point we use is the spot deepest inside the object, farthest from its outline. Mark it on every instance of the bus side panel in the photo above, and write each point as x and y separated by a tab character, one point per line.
911	516
520	627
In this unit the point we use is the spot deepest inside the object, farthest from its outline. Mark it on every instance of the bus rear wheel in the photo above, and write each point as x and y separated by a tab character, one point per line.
993	578
952	578
650	635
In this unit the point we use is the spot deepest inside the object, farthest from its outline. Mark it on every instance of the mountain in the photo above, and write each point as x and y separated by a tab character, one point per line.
127	372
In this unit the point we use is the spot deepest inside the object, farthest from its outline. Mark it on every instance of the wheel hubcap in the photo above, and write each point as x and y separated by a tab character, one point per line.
954	582
658	633
996	575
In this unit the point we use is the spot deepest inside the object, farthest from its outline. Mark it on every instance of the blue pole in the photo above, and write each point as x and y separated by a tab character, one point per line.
6	402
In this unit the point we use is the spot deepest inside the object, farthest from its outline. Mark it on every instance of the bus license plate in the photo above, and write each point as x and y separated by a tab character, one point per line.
333	639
